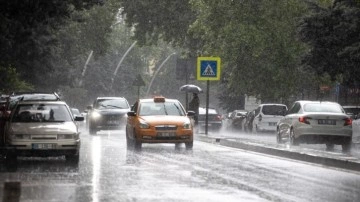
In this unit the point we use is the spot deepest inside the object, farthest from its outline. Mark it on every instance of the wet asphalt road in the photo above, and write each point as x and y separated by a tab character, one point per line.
109	172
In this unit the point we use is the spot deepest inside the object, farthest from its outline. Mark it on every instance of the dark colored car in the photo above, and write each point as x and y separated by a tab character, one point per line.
214	120
237	119
107	113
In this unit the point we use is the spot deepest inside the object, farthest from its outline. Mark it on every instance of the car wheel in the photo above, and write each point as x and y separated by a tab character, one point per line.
279	139
329	147
292	139
346	147
189	145
92	129
74	159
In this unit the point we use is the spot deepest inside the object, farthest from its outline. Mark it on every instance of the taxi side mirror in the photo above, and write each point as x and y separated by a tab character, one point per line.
131	113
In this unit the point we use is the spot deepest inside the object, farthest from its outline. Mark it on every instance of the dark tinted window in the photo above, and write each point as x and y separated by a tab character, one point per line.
295	108
273	109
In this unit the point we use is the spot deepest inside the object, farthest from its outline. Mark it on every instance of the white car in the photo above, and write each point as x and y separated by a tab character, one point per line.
43	128
267	116
316	122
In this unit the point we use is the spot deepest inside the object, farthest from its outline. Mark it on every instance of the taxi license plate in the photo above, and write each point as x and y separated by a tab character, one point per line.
166	135
43	146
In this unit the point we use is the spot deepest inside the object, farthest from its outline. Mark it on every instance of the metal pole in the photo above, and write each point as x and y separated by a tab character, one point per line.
207	106
157	71
122	59
85	67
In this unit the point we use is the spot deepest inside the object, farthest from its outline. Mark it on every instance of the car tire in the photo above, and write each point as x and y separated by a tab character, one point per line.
189	145
346	147
279	139
73	159
329	147
92	129
292	140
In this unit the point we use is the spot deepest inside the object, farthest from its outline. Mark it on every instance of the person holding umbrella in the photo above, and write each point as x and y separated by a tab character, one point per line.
194	106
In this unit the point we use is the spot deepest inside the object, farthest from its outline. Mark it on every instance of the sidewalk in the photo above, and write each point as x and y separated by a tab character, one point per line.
333	159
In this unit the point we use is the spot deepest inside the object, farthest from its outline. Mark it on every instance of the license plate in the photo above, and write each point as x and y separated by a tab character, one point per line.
326	122
113	122
43	146
272	124
166	135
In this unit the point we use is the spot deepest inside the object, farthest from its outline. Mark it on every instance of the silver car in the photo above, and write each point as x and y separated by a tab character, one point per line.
43	128
316	122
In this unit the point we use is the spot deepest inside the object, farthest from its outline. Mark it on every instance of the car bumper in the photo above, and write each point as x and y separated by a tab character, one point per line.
266	126
308	134
145	136
45	148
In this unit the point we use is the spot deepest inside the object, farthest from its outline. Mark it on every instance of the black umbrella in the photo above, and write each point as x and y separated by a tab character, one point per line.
190	88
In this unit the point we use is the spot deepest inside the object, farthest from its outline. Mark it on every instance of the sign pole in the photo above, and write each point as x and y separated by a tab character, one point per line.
207	106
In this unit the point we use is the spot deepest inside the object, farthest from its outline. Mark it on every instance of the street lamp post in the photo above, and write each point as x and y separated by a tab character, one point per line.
157	71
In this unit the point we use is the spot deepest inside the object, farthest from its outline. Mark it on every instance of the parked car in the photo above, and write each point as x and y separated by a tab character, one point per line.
237	119
107	113
215	121
267	116
352	111
159	120
43	127
316	122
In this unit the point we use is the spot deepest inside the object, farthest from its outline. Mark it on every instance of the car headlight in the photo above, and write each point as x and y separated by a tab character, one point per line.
65	136
187	125
143	125
95	115
21	136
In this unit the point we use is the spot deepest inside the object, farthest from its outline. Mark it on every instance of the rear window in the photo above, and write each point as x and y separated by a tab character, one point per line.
274	110
352	110
322	107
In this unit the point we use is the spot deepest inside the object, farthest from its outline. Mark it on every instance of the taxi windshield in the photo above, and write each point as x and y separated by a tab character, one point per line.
161	108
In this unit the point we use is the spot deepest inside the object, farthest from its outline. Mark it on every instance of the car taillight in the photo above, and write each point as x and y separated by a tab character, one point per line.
304	119
348	122
218	118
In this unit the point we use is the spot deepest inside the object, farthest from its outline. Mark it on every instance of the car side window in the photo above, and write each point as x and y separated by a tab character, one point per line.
294	109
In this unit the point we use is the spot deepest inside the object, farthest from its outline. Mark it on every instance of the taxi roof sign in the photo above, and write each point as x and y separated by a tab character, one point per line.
159	99
208	68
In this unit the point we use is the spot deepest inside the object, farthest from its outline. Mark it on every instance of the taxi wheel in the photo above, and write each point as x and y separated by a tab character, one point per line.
189	145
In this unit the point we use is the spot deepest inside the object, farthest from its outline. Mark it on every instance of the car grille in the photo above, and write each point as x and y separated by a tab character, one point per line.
166	127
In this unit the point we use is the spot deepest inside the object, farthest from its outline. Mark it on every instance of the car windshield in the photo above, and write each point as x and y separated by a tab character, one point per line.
111	104
322	107
163	108
41	113
274	109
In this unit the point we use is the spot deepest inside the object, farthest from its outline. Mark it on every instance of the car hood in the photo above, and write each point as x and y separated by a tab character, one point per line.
112	111
44	128
169	120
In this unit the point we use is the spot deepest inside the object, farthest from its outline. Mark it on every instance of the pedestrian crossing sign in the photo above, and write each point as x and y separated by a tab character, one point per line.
208	68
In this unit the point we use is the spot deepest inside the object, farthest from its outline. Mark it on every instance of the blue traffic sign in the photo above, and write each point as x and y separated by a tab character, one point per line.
208	68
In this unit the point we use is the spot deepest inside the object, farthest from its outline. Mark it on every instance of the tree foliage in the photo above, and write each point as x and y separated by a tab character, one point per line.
333	37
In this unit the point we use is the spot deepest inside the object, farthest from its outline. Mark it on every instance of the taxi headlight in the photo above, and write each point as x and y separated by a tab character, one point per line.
66	136
187	125
143	125
95	115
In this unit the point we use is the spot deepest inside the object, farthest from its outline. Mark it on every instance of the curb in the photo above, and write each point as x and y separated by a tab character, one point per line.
343	163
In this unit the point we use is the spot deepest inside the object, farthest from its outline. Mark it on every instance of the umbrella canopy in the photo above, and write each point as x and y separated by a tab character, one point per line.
190	88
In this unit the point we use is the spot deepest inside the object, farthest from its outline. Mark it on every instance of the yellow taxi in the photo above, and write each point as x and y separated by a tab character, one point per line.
159	120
